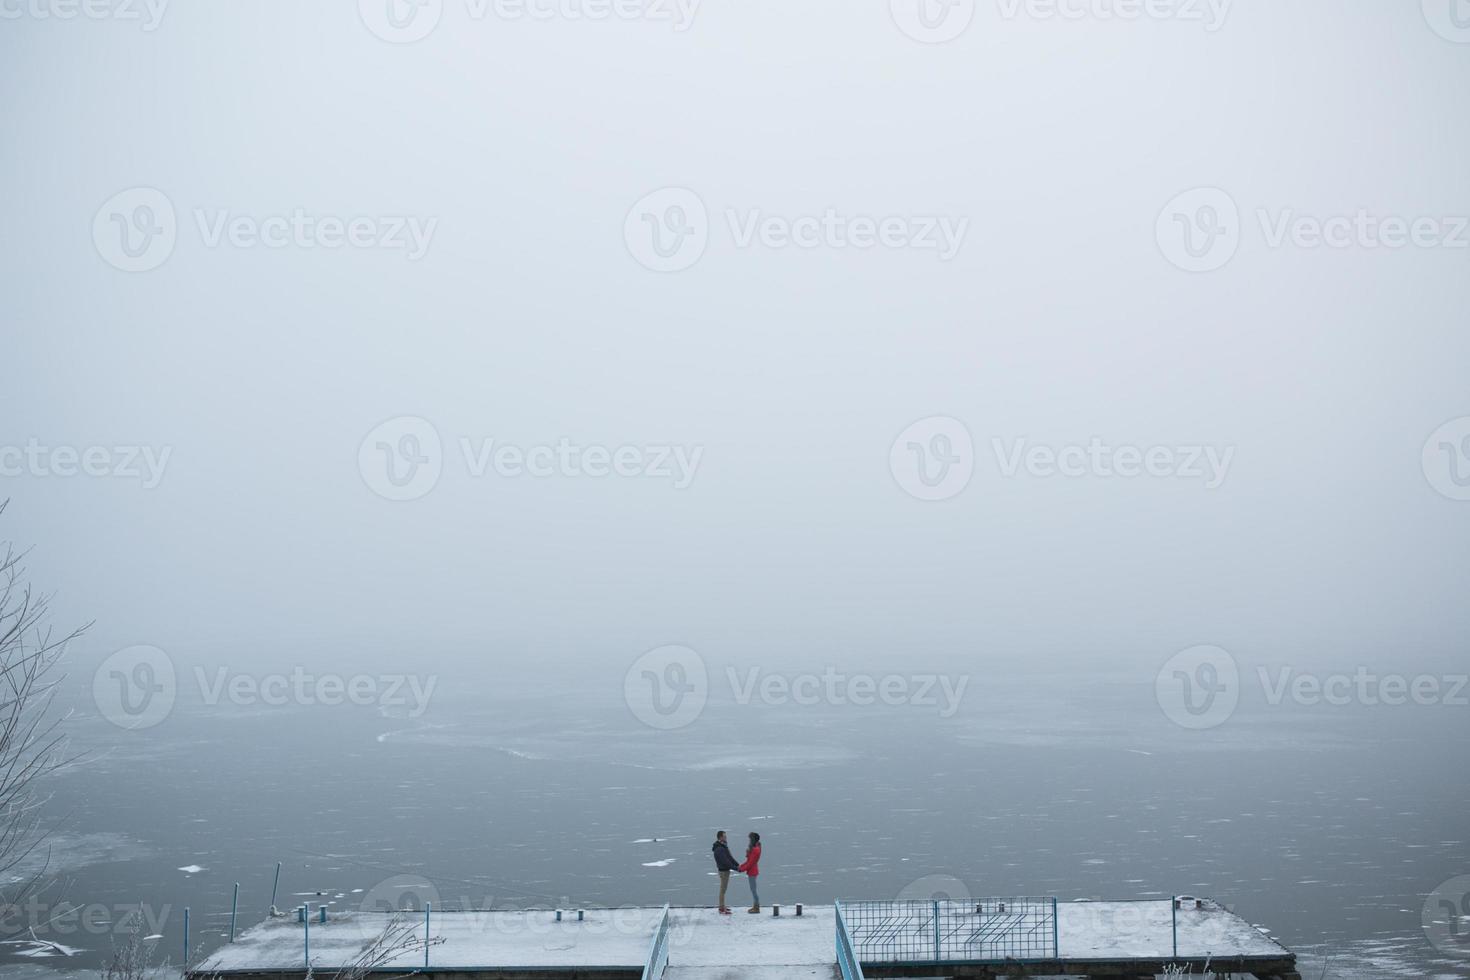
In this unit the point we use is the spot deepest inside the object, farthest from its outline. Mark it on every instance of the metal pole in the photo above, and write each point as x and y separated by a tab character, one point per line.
936	931
306	937
277	882
427	906
234	907
1174	917
1056	941
186	935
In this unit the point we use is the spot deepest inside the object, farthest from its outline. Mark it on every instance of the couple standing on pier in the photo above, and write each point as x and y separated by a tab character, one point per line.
725	864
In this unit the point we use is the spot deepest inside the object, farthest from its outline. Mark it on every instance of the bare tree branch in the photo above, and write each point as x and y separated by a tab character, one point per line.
31	743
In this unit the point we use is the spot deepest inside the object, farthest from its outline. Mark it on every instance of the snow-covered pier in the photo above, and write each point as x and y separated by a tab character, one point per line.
977	938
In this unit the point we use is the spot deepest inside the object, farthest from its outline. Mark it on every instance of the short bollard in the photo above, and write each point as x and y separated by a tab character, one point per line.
558	915
775	911
581	915
798	910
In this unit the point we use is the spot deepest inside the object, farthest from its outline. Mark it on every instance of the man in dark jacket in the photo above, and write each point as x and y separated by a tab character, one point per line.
724	864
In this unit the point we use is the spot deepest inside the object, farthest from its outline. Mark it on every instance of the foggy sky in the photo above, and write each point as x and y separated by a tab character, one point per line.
528	320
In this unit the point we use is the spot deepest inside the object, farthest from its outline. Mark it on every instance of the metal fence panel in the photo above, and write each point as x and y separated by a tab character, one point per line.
658	951
979	930
847	960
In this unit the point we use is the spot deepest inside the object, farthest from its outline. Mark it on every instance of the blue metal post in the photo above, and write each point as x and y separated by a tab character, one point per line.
234	907
277	882
306	936
186	935
1174	923
936	931
1056	935
426	934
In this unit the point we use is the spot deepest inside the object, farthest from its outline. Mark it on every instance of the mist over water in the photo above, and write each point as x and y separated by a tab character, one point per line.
1327	827
984	447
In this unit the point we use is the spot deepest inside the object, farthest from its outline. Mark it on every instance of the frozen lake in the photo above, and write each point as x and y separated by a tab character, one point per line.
1328	829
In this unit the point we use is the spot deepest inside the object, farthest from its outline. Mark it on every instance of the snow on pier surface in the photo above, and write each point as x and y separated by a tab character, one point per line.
1144	930
705	945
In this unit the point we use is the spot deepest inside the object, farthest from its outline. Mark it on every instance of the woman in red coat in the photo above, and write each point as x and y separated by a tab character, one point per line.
752	868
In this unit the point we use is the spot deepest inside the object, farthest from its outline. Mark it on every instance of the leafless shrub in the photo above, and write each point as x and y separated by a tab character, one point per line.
129	961
31	744
400	937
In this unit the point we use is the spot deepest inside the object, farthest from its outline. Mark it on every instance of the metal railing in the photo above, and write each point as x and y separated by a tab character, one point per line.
974	931
847	960
658	951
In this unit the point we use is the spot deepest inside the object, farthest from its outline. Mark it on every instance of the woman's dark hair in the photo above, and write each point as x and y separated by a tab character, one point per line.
754	837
